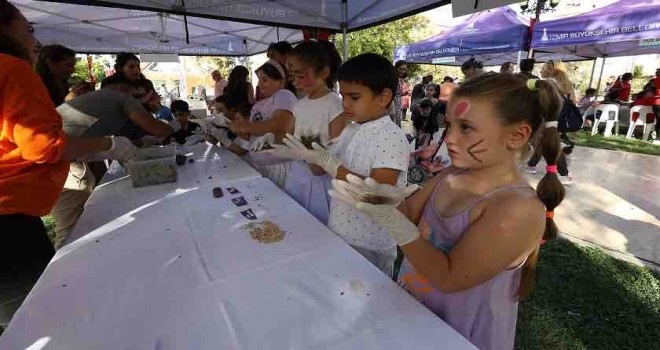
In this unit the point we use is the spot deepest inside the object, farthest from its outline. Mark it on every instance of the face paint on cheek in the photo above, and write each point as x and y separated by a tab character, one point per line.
473	152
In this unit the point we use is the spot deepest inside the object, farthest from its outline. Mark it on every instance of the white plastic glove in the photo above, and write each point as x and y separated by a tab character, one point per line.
122	149
220	135
194	139
386	215
370	190
294	149
220	119
261	141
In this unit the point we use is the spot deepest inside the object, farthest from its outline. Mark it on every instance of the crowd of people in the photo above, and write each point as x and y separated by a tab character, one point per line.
352	177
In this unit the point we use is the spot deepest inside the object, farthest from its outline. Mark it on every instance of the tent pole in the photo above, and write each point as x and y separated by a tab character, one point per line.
519	57
600	76
593	70
344	10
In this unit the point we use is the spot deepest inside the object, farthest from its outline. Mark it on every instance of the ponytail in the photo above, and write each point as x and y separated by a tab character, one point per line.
549	190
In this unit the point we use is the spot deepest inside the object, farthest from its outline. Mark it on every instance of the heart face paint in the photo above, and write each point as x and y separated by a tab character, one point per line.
461	109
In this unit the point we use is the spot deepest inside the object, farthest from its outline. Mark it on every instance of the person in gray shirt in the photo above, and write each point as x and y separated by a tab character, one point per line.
111	111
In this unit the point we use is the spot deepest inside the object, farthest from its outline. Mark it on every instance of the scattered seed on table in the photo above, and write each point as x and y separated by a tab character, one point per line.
64	285
97	241
342	293
210	177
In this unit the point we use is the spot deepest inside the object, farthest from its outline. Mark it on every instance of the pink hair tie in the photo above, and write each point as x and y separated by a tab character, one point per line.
551	169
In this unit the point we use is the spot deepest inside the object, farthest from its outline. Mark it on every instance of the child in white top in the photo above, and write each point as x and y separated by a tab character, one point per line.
270	116
373	146
313	67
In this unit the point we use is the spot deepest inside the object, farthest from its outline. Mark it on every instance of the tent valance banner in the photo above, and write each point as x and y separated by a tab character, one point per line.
613	30
324	14
494	37
91	29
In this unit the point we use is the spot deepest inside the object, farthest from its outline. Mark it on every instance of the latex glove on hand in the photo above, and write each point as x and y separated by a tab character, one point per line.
220	120
220	135
262	141
370	190
121	149
386	215
294	149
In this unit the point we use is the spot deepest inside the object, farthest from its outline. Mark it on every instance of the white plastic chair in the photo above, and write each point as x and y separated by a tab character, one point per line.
641	120
609	115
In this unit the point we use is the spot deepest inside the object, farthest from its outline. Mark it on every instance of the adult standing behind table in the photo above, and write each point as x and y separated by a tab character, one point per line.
220	83
238	89
34	159
127	70
55	66
111	111
272	114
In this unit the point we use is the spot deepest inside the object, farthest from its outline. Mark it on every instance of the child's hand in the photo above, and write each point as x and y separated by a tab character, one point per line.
294	149
370	191
388	216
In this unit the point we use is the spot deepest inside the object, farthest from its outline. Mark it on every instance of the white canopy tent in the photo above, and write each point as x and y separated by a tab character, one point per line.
332	15
91	29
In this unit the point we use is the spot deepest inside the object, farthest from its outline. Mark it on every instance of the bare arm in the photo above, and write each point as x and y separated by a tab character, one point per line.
505	233
414	205
336	126
250	93
279	123
151	125
77	147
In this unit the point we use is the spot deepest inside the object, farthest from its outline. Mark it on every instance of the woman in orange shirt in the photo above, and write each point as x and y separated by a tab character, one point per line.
34	159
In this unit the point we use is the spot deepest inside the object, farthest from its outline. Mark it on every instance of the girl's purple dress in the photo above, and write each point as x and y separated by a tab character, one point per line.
486	314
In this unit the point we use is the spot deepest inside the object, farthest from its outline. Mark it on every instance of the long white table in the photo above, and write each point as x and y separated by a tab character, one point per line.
171	267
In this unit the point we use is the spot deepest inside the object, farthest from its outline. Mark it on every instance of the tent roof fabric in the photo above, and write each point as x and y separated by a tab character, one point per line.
613	30
324	14
89	29
494	37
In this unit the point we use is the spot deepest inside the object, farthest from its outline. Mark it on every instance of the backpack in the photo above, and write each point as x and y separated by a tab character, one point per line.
570	118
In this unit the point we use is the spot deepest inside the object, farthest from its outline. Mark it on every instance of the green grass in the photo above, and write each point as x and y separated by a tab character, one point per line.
585	299
618	143
49	222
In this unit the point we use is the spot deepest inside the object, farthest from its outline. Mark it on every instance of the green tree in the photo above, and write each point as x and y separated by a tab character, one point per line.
210	63
384	38
638	71
82	73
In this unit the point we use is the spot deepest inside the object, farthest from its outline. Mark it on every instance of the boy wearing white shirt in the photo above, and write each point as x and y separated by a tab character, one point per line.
372	146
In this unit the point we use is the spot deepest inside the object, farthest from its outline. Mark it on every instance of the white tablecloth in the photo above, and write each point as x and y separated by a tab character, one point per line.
171	267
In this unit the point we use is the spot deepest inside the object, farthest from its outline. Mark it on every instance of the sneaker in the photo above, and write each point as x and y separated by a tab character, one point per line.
566	180
530	169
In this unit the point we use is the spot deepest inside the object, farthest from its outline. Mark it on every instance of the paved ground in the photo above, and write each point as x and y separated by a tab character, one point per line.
614	202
